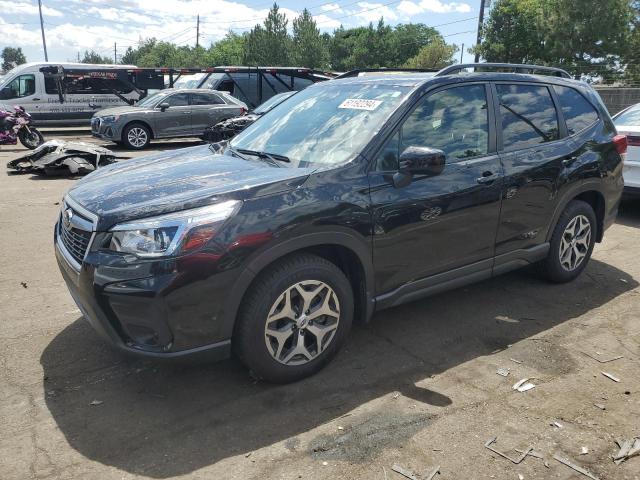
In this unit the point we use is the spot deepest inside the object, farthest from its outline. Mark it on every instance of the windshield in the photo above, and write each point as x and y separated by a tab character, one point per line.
272	102
325	124
189	81
151	100
629	117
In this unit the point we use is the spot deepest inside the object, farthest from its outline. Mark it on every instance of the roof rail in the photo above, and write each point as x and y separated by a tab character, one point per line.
358	71
519	68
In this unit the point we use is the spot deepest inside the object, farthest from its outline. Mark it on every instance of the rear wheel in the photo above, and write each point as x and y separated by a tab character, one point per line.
572	243
294	320
31	138
136	136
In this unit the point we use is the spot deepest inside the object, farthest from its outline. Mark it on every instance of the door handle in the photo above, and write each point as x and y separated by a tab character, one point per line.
35	99
186	113
487	177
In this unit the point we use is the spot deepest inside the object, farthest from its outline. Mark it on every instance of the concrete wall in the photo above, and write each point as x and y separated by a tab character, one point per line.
618	98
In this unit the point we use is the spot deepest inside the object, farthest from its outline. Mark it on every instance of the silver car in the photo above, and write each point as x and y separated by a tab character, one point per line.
169	113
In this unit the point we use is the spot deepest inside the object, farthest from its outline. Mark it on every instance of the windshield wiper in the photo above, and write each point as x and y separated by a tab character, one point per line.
273	158
233	151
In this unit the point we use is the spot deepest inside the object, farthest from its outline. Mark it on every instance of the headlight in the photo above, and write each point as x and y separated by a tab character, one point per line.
172	234
110	118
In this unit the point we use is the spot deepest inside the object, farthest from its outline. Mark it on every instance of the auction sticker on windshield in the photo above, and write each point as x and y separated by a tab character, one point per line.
360	104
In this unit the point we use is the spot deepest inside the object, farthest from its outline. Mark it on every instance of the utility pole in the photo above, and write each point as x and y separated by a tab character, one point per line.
480	23
44	43
461	52
198	32
115	53
78	56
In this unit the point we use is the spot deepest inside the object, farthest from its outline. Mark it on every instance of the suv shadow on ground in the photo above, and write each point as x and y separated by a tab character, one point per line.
163	420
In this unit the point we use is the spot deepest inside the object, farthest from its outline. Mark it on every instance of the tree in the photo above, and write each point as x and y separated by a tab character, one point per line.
12	57
269	44
407	40
435	55
588	37
309	49
632	57
94	57
228	51
512	33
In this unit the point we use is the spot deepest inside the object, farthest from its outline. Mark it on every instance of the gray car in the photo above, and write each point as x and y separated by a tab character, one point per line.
167	114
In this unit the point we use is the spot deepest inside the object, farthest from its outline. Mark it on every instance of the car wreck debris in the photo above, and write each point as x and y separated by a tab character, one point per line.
575	467
603	360
628	448
503	372
433	473
523	385
404	472
491	441
57	157
611	377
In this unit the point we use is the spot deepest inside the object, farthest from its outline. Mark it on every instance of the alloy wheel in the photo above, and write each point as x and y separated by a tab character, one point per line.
137	137
302	322
575	243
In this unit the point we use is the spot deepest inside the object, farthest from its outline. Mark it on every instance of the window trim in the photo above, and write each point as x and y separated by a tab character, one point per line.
553	91
491	123
562	131
205	92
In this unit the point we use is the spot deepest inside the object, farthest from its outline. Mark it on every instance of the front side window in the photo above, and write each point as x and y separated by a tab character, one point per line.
578	112
454	120
528	116
324	124
178	100
22	86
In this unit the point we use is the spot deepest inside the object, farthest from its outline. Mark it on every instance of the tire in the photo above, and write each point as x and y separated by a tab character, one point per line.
31	139
282	359
136	136
571	243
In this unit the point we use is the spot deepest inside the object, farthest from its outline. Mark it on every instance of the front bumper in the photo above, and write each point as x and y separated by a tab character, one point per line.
161	309
105	131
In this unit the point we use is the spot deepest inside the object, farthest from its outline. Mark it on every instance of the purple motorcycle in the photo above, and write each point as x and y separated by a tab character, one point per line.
15	124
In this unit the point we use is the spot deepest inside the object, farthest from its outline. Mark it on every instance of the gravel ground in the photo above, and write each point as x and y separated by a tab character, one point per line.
416	387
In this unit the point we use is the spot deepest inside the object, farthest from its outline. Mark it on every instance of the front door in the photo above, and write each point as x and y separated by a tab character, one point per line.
441	222
174	121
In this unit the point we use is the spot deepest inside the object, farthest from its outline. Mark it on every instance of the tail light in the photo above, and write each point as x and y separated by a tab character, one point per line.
633	141
620	143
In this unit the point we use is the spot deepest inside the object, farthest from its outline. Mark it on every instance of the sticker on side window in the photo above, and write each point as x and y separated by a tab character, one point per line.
360	104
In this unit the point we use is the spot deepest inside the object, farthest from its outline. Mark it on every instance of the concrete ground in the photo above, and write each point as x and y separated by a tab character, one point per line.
416	387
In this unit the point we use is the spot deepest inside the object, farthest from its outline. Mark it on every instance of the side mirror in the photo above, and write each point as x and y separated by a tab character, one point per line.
164	105
5	93
422	161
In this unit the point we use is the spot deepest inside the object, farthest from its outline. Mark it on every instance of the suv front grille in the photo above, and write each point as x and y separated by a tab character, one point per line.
75	240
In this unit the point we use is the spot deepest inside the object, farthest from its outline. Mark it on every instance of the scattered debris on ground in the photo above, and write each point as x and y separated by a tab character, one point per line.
491	441
611	377
404	472
433	473
504	372
57	157
516	361
96	402
602	360
523	385
628	448
577	468
24	284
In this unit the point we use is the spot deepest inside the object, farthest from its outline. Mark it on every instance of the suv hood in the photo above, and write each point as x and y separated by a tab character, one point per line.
177	180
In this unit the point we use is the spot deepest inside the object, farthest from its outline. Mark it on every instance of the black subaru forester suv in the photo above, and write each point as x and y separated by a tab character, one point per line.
355	195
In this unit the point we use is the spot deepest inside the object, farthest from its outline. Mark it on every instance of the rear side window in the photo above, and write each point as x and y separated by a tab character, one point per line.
205	99
88	86
578	112
528	116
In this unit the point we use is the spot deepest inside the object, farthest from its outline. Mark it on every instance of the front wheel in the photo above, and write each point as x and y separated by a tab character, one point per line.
136	136
572	243
294	319
30	138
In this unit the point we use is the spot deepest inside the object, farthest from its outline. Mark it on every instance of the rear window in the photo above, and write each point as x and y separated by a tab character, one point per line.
527	114
578	112
629	117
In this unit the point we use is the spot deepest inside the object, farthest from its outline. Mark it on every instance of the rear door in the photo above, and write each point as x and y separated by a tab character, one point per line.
532	150
208	109
438	223
175	121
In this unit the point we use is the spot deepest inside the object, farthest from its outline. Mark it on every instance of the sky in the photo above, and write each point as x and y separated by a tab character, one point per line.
73	26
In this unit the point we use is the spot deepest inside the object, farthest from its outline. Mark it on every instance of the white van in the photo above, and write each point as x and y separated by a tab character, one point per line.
83	95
